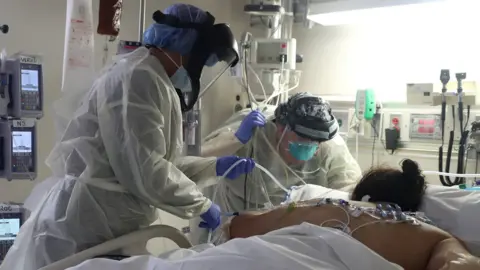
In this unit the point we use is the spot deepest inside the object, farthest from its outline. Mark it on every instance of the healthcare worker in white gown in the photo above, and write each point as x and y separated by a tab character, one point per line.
115	161
298	142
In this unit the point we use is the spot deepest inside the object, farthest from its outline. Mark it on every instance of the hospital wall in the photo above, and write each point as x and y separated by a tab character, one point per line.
386	56
338	60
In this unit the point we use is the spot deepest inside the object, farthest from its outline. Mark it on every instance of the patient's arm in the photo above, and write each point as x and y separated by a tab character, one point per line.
450	254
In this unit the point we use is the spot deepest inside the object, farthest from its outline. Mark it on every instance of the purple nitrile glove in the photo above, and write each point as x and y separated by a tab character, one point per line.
245	131
211	218
224	163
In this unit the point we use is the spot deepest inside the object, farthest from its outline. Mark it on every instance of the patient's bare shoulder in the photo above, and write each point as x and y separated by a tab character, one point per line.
407	245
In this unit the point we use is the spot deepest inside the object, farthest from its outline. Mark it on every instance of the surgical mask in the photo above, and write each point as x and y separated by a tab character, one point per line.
181	80
302	151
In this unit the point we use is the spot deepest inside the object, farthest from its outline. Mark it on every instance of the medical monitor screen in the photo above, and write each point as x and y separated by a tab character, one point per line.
22	141
9	228
30	80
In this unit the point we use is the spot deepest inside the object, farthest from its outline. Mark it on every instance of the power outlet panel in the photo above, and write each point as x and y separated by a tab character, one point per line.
396	121
343	120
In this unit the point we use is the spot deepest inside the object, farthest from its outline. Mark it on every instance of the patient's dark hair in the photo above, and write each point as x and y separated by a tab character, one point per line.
402	187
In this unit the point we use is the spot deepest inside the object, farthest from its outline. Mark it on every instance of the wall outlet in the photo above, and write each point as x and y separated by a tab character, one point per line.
395	121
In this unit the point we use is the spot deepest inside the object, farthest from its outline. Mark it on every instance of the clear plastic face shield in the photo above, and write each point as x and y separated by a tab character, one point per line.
215	68
214	51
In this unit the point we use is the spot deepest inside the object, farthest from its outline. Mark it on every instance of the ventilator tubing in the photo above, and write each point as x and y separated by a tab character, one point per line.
231	168
256	166
280	158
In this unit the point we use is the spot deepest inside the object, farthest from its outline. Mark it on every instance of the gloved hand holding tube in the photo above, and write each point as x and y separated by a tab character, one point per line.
246	165
253	120
211	218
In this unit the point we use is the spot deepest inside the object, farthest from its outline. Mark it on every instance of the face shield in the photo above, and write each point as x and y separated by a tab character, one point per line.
214	51
215	68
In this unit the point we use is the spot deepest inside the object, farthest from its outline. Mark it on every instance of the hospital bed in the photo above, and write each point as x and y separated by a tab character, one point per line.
452	209
136	240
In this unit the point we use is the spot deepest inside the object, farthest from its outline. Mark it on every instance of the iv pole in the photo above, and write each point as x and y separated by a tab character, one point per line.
141	19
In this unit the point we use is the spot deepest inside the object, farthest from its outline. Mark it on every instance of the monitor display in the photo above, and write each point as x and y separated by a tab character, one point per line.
9	228
22	141
30	80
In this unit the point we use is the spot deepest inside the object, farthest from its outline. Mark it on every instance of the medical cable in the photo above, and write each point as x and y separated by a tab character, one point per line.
271	176
476	167
466	175
258	79
247	83
224	176
444	78
210	231
446	181
256	166
365	225
346	224
377	213
461	161
280	158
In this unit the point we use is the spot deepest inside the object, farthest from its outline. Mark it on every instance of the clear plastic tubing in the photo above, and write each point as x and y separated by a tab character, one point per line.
257	166
230	169
272	177
451	174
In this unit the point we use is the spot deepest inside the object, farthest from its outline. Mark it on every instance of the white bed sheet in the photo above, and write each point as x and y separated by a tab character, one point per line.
302	247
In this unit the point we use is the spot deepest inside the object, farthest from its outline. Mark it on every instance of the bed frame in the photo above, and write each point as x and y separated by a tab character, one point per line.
138	238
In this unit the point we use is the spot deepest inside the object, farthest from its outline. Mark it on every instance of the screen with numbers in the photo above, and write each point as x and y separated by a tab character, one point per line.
425	126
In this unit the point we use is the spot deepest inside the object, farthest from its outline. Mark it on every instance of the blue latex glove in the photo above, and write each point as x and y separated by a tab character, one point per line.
224	163
211	218
245	131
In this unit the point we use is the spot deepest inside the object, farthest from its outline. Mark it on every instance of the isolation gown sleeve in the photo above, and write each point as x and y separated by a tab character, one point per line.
343	171
139	126
200	170
223	142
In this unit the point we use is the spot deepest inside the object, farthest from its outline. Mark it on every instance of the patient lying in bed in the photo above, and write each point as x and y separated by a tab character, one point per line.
341	237
395	235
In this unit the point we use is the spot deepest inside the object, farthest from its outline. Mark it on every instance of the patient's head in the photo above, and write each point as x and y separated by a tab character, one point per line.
403	187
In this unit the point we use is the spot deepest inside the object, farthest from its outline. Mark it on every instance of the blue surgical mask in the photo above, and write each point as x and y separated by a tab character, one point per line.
302	151
181	80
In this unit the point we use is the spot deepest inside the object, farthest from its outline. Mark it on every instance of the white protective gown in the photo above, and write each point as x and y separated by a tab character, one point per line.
114	167
333	167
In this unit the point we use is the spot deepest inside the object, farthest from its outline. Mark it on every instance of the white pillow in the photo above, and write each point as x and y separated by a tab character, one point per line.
454	210
310	192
